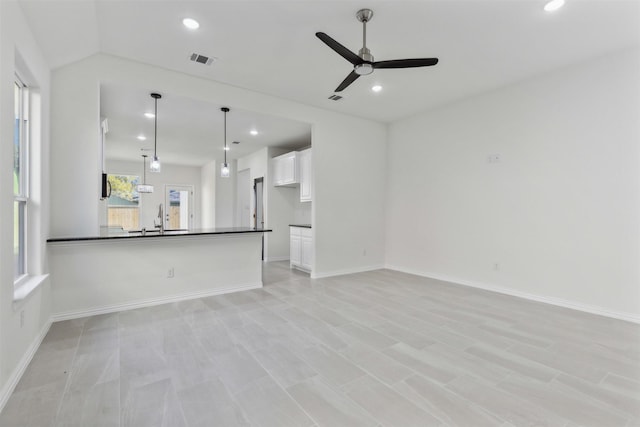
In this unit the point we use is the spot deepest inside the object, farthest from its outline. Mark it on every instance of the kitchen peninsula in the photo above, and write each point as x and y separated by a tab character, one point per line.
118	271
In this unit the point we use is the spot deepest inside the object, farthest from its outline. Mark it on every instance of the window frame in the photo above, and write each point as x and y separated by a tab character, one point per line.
137	207
21	198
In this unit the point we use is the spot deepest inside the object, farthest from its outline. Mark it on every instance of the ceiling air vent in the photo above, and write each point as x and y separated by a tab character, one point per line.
201	59
236	142
335	97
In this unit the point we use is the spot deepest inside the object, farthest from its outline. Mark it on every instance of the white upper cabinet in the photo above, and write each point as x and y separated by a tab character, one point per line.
306	175
285	169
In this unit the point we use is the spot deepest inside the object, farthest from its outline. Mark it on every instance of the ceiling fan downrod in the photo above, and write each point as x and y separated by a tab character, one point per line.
364	16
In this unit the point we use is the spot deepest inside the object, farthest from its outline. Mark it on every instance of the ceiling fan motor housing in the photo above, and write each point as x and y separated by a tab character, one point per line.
366	67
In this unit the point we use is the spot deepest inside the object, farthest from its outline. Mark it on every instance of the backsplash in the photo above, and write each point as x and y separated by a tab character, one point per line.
302	213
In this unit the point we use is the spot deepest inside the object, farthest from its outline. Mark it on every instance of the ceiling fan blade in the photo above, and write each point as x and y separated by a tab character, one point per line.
341	50
406	63
346	82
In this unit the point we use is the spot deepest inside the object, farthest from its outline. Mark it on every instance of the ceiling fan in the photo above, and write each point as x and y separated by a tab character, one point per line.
363	62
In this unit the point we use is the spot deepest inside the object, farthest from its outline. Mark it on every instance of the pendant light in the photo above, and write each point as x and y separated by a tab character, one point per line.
224	170
144	188
154	166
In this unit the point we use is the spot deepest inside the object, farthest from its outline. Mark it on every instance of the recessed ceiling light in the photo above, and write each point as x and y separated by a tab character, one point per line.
191	24
376	88
253	132
149	115
142	137
553	5
226	148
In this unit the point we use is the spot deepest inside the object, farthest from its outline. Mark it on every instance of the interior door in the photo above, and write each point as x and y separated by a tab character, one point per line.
178	207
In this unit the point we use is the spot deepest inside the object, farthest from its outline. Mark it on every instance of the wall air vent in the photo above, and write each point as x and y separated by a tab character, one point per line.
335	97
201	59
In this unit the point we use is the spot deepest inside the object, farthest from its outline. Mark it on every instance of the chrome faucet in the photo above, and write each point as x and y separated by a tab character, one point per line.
160	217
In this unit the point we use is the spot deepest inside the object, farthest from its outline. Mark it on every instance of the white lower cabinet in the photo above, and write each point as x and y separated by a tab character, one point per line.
296	249
301	248
306	253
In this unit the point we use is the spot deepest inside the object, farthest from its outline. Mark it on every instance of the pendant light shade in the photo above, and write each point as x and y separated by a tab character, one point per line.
144	188
155	166
224	169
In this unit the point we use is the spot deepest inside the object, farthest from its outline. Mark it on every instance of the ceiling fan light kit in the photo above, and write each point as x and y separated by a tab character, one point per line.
553	5
363	63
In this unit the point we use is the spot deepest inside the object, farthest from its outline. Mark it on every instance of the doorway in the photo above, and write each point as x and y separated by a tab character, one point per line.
178	202
258	207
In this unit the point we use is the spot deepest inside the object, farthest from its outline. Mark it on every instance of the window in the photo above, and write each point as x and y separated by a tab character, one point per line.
124	202
20	177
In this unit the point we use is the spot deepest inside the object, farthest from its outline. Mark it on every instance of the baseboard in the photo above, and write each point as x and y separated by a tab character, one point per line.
324	274
150	302
276	258
15	376
601	311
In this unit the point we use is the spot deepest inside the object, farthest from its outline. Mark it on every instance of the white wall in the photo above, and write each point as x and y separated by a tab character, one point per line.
279	211
243	198
301	211
560	213
349	156
19	52
76	164
225	201
281	204
208	191
257	163
350	170
170	175
137	273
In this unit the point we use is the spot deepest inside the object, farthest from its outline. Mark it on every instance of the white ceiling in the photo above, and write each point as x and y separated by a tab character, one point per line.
270	46
190	132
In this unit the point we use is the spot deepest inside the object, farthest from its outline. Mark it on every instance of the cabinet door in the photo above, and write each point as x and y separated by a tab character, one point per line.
307	253
305	175
285	169
288	169
277	170
294	250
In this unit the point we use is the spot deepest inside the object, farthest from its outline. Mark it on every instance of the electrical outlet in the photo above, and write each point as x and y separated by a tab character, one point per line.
171	273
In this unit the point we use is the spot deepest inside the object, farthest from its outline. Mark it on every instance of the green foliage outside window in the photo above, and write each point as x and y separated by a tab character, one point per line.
123	188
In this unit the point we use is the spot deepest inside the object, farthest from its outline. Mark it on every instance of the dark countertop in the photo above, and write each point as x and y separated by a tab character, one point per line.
300	225
114	235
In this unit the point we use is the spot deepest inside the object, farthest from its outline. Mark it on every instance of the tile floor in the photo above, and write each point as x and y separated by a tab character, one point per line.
369	349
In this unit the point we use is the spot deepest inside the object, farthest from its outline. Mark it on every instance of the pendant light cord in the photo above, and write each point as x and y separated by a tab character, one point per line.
225	110
225	137
144	169
155	129
155	97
